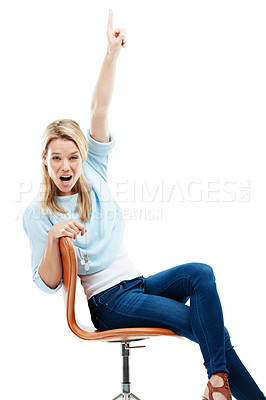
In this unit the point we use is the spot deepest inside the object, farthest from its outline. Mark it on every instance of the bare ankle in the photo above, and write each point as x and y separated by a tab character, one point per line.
219	386
216	380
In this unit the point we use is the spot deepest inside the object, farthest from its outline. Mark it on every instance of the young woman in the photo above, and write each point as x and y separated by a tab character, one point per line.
75	201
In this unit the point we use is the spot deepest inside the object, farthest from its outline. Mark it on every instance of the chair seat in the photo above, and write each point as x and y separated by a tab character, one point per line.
69	263
122	334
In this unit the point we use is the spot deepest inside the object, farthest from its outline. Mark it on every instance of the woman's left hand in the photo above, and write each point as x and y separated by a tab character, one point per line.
115	37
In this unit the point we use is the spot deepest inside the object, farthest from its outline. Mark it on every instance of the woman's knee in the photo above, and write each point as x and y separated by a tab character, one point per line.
204	271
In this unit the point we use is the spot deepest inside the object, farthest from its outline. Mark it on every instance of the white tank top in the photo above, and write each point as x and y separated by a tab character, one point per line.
121	269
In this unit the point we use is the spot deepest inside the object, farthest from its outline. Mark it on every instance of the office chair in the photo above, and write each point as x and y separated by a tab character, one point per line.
125	335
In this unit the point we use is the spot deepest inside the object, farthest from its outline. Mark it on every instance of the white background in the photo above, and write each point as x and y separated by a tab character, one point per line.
188	111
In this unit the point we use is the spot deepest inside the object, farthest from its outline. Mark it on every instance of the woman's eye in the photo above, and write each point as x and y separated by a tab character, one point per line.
56	158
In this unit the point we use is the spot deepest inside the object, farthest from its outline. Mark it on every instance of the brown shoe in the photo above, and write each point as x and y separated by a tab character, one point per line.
224	390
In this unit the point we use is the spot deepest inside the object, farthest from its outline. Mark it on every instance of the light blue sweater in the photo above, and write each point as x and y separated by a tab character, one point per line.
105	226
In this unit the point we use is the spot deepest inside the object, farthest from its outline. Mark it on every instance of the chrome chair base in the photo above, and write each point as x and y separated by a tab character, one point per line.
126	396
126	390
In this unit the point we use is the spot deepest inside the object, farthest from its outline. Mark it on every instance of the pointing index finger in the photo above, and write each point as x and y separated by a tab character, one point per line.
110	20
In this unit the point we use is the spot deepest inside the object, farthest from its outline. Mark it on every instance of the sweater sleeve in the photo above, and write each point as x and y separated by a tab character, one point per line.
98	154
36	224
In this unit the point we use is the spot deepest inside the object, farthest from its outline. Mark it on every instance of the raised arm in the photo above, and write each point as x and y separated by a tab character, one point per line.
104	88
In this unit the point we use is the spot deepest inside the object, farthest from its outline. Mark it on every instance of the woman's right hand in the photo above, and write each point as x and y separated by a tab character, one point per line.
115	37
70	228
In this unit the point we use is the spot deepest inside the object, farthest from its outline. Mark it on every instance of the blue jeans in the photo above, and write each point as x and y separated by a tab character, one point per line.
160	301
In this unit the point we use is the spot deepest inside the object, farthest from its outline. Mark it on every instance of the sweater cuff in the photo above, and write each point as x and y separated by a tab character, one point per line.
100	148
41	285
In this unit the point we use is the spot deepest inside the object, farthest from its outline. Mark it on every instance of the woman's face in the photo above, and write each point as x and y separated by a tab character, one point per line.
64	164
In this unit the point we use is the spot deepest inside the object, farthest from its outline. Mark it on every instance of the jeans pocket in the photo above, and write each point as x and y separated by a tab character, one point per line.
109	295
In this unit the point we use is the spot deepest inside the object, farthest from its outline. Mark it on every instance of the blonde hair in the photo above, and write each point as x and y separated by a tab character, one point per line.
69	130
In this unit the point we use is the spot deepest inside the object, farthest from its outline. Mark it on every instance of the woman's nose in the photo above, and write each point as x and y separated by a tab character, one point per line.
65	165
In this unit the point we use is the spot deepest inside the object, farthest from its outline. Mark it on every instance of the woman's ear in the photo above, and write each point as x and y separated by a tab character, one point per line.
44	160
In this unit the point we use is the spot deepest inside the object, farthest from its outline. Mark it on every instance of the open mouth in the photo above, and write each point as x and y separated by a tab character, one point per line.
65	179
